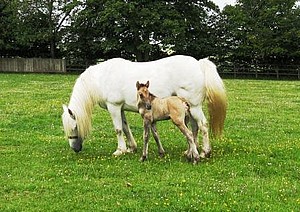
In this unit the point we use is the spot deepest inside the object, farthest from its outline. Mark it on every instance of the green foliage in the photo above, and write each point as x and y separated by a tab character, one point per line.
255	167
84	32
141	29
262	31
35	28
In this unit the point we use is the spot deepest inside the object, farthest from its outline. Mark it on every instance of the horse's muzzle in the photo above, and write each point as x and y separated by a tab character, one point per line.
76	144
77	149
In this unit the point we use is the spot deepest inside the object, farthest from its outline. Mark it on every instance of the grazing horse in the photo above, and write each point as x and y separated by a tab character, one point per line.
153	109
111	84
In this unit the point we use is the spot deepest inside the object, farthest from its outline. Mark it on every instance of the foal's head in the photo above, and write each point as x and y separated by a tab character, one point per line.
144	97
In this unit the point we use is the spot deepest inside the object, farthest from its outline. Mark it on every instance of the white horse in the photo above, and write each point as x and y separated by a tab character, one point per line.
111	85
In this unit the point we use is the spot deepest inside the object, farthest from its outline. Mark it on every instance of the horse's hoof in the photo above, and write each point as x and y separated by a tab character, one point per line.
185	153
189	157
204	154
161	154
131	150
143	158
118	152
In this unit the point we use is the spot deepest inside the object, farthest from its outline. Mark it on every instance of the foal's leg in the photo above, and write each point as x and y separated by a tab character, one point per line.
115	113
201	121
192	152
161	150
128	134
146	140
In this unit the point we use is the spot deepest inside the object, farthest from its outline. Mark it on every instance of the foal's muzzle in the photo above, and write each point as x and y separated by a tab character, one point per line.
148	106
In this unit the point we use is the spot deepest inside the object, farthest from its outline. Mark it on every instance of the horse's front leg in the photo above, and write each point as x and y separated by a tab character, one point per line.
115	113
128	134
161	150
146	140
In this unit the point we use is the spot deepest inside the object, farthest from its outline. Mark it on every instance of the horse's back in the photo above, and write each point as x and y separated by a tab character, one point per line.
179	75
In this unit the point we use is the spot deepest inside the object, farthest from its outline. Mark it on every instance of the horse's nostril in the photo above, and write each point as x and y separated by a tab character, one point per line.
148	106
77	149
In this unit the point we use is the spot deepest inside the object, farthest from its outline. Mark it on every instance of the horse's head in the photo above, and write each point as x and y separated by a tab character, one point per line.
143	95
71	129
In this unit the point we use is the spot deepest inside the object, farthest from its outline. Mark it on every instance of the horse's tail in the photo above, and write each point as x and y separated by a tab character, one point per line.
216	96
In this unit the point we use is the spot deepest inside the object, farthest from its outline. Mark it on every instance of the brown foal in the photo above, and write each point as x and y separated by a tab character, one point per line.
153	109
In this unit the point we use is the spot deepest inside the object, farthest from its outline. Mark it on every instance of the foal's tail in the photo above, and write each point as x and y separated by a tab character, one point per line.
216	96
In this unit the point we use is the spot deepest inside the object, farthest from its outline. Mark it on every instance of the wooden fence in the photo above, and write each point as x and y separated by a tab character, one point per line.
37	65
261	71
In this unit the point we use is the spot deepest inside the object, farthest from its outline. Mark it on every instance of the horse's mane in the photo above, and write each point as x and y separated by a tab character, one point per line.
82	103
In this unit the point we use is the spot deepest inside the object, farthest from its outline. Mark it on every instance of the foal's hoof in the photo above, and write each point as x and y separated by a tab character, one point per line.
204	154
119	152
143	158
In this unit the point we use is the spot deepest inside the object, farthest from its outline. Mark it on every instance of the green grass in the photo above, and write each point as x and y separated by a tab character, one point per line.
256	167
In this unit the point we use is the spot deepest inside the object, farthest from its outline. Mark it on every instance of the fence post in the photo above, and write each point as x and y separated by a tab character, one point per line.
234	71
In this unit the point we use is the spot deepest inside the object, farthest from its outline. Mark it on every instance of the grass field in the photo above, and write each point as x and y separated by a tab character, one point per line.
256	167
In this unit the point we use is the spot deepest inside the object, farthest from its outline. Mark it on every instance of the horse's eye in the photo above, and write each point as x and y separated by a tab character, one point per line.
141	95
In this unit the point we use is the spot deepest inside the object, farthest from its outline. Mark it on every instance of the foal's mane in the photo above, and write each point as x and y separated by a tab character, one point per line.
82	102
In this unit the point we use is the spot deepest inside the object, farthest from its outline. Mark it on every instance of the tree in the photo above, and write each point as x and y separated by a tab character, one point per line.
141	30
261	31
8	44
35	27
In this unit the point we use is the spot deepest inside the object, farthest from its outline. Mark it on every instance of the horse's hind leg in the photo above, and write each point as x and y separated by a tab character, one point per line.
115	113
161	150
195	130
201	121
128	134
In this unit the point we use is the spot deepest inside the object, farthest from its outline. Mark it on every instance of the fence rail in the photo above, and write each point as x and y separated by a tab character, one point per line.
40	65
47	65
263	71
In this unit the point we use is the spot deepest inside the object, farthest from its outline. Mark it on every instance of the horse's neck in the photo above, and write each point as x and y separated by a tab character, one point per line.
81	96
82	103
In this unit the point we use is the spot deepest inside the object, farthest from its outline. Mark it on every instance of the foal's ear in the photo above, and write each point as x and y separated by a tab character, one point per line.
137	84
147	84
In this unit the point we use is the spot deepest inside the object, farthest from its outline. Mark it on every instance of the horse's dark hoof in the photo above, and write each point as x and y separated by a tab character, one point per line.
131	150
143	158
196	160
208	154
161	154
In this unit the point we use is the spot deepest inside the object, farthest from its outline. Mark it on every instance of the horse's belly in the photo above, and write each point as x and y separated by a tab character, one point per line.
130	108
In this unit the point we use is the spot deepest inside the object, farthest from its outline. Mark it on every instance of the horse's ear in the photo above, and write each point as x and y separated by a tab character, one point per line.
147	84
65	108
137	84
68	110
